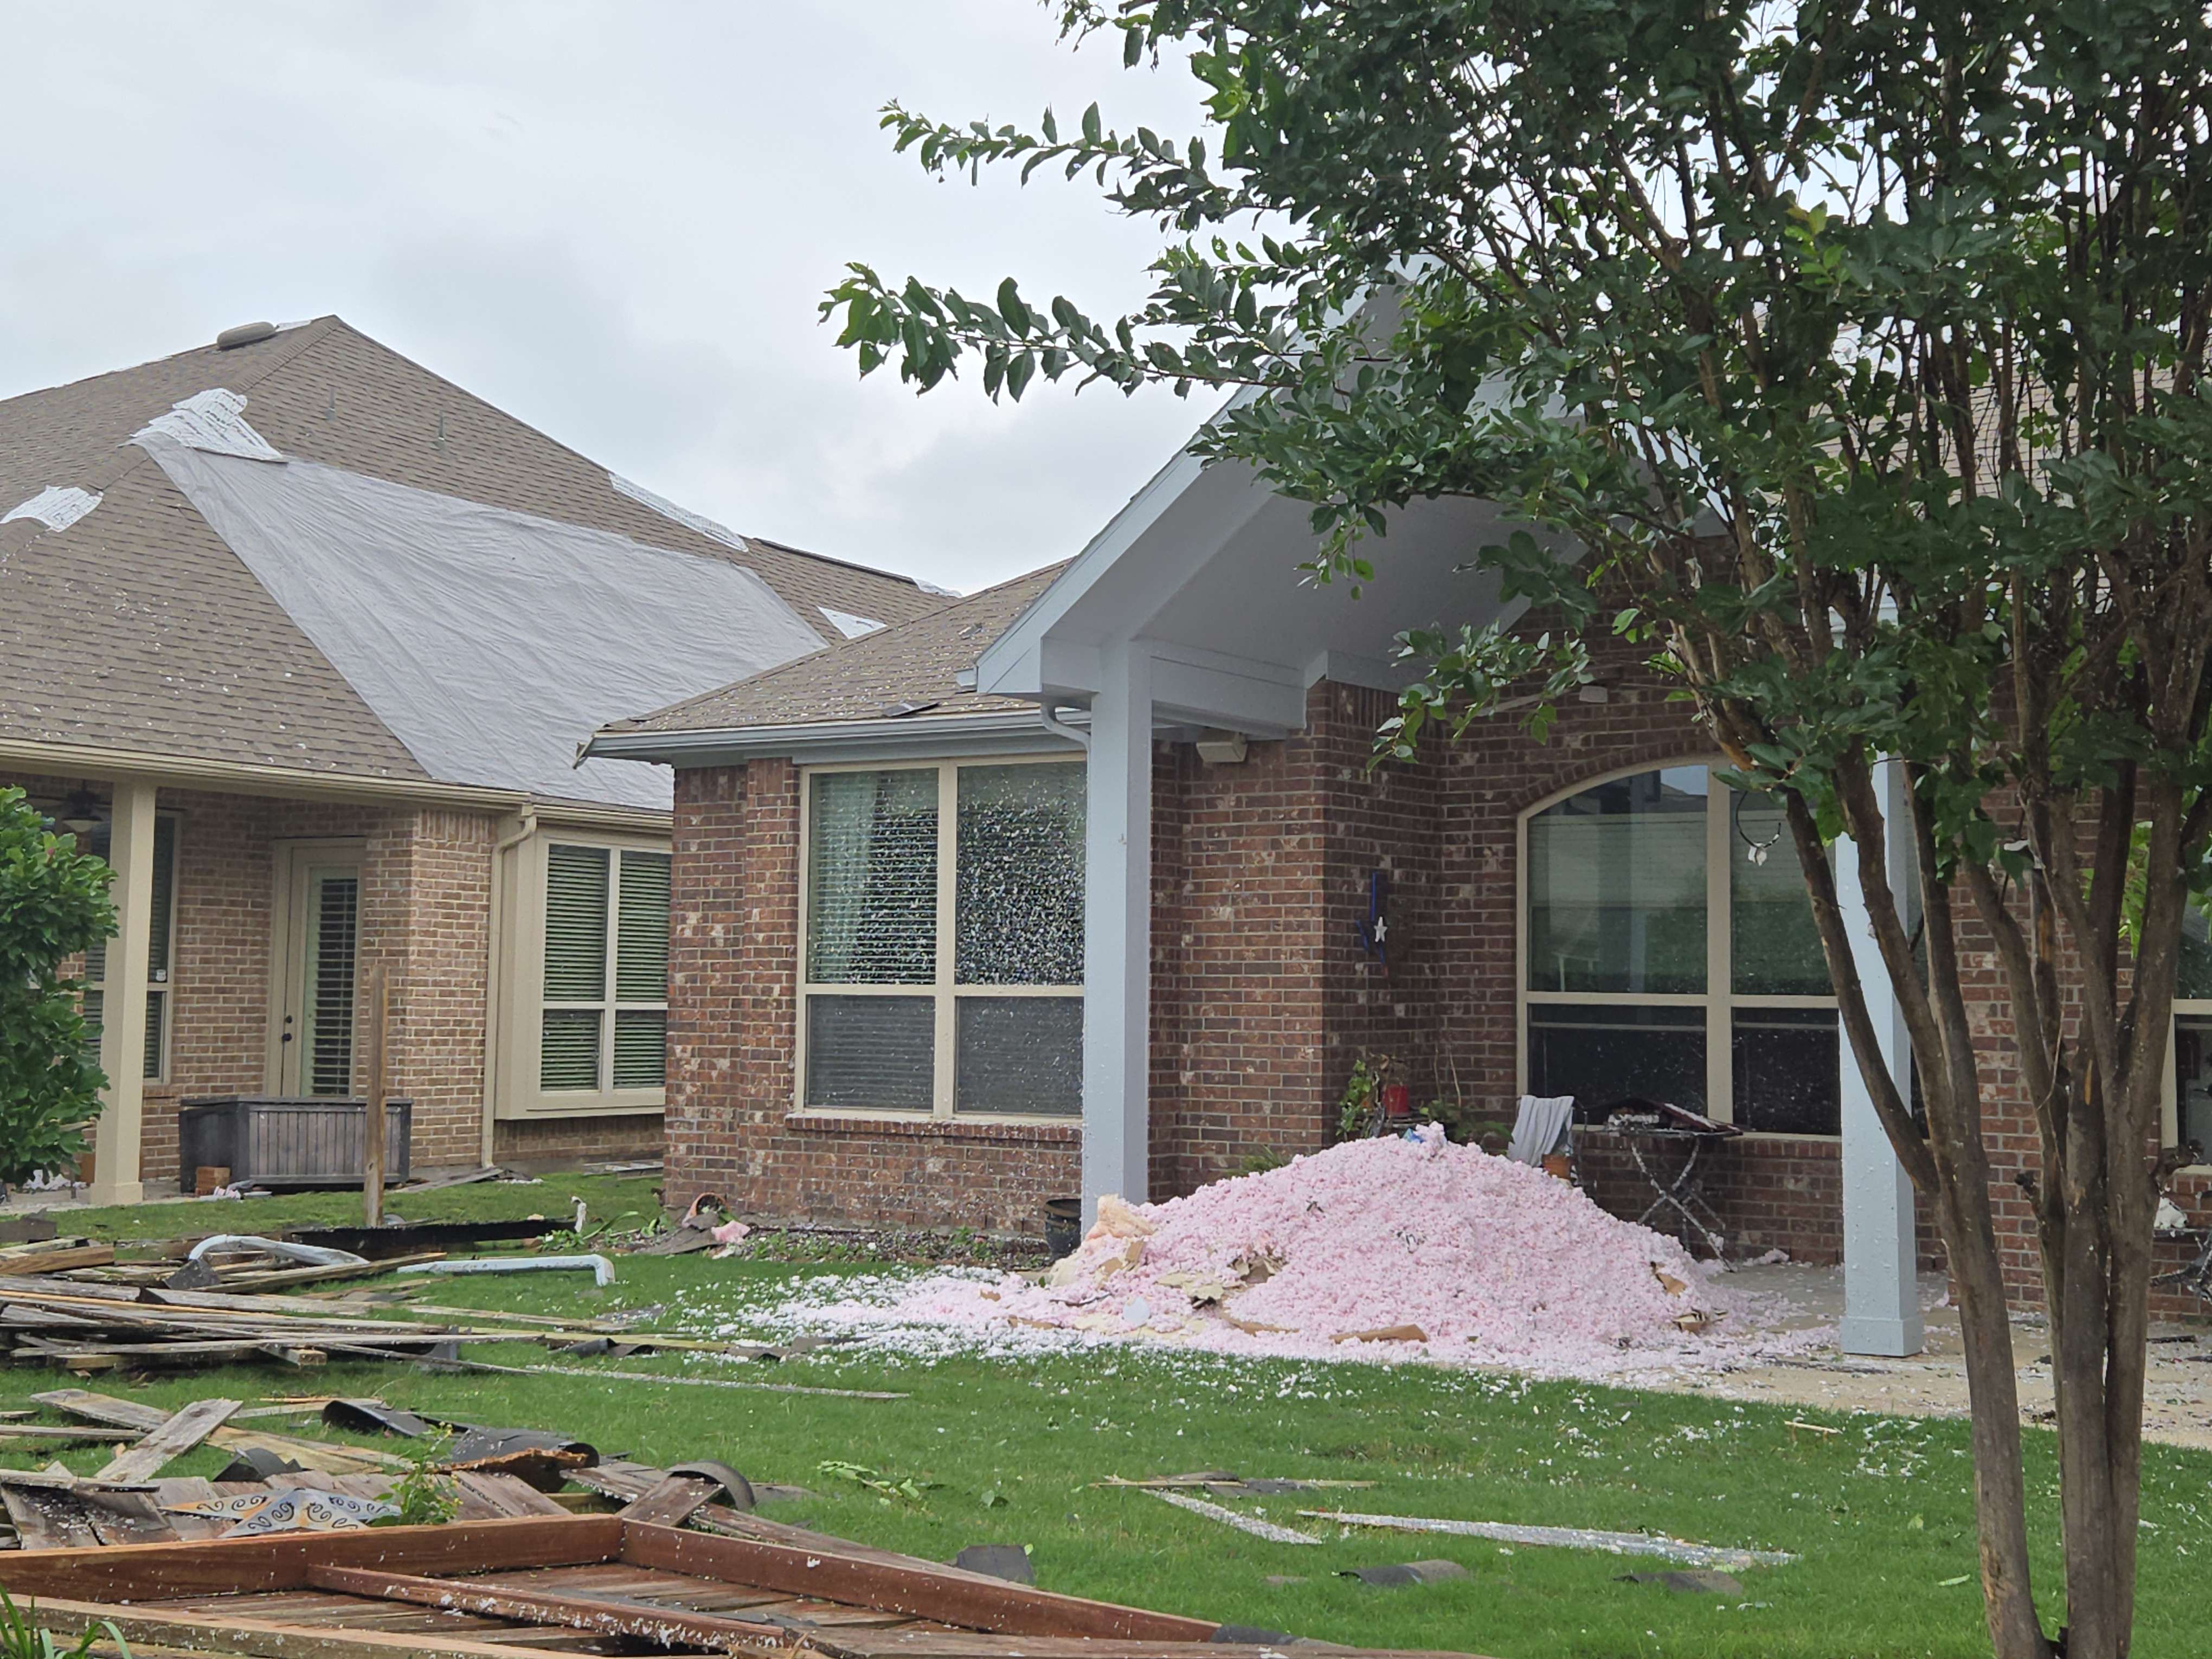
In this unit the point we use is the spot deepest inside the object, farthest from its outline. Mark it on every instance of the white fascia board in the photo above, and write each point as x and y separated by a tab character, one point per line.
1011	732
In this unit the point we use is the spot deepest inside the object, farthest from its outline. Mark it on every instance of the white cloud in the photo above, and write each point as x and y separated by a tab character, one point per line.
616	221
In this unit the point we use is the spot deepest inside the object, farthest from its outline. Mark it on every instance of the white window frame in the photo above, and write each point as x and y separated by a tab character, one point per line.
1719	999
944	989
160	976
519	1093
2169	1115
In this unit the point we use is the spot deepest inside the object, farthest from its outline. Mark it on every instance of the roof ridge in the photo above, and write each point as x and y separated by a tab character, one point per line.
132	456
598	465
166	357
915	582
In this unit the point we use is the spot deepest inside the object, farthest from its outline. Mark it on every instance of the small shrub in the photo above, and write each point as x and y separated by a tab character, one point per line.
22	1637
53	905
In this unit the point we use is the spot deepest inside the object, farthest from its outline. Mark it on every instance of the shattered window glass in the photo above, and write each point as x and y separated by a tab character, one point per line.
1019	1055
1019	917
871	878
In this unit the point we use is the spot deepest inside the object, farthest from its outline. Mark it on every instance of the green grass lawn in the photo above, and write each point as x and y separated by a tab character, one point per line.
1880	1513
622	1201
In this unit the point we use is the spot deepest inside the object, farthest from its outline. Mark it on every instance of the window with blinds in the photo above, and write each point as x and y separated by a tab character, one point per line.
161	951
943	958
603	1017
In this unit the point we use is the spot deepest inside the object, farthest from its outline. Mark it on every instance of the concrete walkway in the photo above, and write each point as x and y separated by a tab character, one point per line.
2177	1398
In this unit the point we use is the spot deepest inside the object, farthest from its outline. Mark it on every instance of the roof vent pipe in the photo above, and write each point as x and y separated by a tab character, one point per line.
245	334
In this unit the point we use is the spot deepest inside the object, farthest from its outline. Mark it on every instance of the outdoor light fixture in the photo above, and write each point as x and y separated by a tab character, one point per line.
81	814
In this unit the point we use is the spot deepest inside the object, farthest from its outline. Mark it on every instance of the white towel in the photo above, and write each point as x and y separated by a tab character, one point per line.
1542	1128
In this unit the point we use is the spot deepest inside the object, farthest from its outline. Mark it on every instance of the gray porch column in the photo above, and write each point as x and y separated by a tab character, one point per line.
1881	1299
1117	938
115	1138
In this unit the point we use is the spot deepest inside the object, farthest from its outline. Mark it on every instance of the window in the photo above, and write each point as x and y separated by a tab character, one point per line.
1671	955
943	957
604	999
160	950
2191	1118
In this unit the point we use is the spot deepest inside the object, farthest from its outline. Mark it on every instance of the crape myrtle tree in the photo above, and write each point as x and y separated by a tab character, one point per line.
53	905
1858	347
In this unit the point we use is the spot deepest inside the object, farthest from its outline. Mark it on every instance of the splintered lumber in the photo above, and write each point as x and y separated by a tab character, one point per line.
505	1589
55	1256
667	1627
315	1454
671	1500
901	1584
176	1436
147	1630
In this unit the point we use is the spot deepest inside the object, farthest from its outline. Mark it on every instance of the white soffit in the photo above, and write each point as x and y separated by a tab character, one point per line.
850	626
683	515
56	507
490	642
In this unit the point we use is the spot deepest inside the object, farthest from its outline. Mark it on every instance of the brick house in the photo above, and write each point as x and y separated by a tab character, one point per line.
1072	886
302	638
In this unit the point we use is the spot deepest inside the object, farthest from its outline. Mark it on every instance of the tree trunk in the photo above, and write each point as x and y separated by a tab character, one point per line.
1993	1398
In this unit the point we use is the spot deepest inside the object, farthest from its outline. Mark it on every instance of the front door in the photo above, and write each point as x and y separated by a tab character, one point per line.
316	1042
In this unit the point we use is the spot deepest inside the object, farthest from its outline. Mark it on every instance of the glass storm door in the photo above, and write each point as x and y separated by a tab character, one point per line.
318	1036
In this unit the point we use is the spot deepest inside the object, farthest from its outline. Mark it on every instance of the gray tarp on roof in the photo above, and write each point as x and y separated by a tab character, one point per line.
491	643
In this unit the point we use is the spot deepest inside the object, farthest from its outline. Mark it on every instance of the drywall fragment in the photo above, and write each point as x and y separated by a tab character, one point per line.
1229	1517
57	507
214	422
1573	1538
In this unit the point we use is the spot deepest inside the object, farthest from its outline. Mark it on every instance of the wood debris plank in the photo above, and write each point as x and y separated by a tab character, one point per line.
125	1517
501	1495
671	1500
231	1633
48	1519
314	1453
172	1439
897	1584
667	1627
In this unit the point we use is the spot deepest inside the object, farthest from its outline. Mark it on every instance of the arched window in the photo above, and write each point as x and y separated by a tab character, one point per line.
1668	953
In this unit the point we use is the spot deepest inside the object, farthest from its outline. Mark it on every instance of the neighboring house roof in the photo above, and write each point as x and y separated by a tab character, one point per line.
913	671
171	596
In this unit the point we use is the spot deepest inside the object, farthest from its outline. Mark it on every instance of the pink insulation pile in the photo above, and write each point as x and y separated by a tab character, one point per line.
1410	1249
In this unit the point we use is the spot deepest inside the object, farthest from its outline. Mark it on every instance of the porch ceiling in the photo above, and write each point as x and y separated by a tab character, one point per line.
1202	569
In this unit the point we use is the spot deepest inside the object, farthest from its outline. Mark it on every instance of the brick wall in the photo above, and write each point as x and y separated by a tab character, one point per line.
733	992
557	1142
1261	997
425	913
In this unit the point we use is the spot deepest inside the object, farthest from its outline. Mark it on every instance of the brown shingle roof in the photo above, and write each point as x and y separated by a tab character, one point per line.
137	628
875	676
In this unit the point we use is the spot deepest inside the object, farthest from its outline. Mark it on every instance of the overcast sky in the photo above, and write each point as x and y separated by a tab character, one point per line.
613	218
